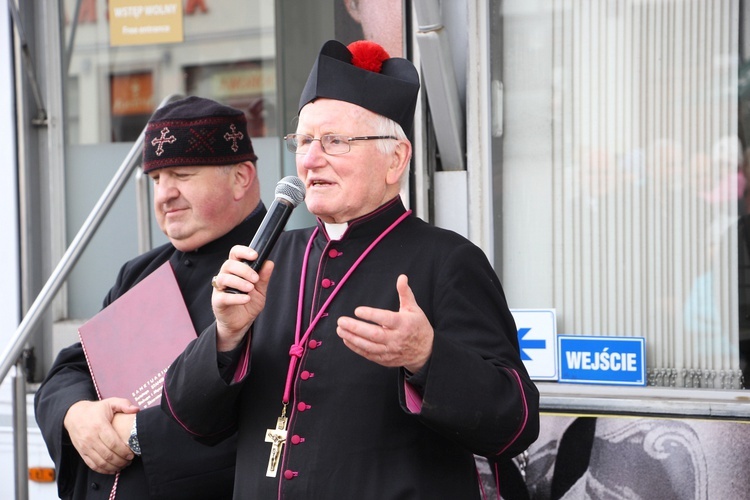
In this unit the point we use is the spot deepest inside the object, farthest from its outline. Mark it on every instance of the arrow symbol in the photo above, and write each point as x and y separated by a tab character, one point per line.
524	343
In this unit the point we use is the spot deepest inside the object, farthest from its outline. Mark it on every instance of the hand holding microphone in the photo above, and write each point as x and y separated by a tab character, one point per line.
290	192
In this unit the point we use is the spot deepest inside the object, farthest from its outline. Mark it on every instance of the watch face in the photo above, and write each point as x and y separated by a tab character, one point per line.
135	446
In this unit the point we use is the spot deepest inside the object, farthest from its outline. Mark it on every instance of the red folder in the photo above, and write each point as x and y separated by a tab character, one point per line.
130	344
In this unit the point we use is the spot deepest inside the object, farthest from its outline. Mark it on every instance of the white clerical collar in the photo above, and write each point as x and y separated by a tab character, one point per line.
336	231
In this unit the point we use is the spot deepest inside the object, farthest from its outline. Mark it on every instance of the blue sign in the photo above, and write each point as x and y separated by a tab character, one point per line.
602	360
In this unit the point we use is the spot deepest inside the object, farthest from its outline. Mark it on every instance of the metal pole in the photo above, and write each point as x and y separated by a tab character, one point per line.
143	211
20	439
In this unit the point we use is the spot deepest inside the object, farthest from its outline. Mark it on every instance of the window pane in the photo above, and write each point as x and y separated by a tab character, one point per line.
623	176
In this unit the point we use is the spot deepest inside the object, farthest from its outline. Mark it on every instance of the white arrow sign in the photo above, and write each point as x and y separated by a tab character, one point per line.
537	339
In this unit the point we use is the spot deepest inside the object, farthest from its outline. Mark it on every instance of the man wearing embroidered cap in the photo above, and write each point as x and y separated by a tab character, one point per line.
206	200
404	360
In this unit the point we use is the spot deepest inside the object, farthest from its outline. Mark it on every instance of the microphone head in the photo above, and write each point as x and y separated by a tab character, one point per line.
291	189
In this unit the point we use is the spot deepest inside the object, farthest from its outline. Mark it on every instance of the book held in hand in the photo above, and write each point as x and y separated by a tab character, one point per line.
130	344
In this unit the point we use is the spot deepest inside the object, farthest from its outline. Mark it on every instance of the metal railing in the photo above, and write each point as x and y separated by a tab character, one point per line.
12	353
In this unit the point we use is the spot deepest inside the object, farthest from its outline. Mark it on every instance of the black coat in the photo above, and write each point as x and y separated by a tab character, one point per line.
351	434
172	466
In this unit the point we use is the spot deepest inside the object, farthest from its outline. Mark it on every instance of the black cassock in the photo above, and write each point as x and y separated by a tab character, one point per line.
351	433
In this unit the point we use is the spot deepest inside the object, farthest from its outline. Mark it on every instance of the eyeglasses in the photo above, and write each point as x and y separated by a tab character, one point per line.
331	144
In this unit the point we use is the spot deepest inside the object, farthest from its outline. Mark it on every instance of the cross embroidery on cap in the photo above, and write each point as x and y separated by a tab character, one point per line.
233	137
161	140
201	140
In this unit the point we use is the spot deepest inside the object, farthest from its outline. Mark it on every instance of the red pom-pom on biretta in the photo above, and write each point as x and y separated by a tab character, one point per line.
368	55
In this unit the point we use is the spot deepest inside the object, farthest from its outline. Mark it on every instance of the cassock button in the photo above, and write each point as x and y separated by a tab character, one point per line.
326	283
333	253
290	474
94	486
313	344
188	262
302	406
306	375
297	440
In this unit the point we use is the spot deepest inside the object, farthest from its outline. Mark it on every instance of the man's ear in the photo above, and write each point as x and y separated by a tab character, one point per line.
400	162
245	175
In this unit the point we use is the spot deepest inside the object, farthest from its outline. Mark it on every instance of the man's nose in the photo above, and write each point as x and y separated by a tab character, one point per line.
315	156
165	190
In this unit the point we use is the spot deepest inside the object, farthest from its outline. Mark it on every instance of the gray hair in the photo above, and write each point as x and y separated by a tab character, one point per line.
386	126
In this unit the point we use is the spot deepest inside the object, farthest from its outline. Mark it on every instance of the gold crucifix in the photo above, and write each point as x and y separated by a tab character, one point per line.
277	438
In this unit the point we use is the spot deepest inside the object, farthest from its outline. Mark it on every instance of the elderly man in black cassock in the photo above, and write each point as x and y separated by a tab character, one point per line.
373	354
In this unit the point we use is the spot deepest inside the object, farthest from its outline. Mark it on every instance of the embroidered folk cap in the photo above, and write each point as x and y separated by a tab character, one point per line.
364	74
194	132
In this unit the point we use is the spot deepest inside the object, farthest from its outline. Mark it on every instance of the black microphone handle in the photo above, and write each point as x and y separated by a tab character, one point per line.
267	234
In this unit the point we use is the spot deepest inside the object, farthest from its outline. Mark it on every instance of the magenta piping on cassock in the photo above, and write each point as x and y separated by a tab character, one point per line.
177	419
525	412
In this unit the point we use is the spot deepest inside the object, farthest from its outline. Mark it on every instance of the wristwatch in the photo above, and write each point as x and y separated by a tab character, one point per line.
133	442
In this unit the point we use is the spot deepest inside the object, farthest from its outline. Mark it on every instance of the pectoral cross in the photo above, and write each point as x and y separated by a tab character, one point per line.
277	438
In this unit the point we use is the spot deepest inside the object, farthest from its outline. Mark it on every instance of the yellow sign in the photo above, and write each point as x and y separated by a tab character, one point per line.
141	22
